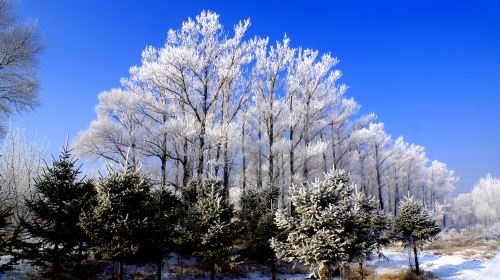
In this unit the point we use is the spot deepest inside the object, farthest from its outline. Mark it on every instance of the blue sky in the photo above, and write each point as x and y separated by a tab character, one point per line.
431	72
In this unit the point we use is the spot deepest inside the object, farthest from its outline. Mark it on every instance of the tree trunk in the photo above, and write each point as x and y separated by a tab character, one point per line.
201	156
273	269
120	270
163	170
212	271
396	199
225	178
361	272
379	190
259	167
417	269
159	264
243	156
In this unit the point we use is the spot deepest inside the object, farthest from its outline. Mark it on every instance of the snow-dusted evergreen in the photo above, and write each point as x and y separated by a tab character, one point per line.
367	230
414	227
208	227
316	229
118	223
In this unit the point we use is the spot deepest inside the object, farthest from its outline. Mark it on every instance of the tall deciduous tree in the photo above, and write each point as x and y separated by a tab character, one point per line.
20	48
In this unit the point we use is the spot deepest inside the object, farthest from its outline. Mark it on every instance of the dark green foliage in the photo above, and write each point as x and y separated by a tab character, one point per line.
8	236
208	227
256	214
53	225
366	228
164	212
413	227
118	223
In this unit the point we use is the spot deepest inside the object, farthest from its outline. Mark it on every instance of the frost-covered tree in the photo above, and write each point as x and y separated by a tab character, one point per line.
485	197
116	133
208	227
20	48
316	229
21	161
251	112
377	146
414	227
53	229
118	223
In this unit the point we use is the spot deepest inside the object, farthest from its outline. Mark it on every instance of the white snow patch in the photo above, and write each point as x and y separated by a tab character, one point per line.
455	267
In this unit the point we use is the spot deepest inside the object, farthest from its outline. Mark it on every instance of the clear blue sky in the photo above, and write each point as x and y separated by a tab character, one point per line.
431	72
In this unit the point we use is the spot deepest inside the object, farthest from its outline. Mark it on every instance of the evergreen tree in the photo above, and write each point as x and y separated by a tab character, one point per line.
256	215
366	228
208	227
164	210
119	222
6	237
414	227
316	231
55	208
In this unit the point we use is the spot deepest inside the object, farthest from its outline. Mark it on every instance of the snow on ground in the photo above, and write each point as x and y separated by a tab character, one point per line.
455	267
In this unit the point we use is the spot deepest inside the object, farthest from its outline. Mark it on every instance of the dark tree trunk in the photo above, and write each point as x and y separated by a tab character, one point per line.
417	269
212	271
159	264
225	178
273	269
259	167
163	170
243	156
361	272
120	270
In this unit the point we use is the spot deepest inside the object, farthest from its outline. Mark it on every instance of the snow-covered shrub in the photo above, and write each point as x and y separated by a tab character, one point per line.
414	227
328	225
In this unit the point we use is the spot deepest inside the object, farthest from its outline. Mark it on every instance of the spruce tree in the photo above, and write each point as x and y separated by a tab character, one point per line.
118	224
164	212
208	226
6	237
54	210
316	229
256	214
366	228
414	227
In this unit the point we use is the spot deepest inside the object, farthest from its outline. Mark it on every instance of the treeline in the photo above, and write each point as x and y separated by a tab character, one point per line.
210	102
126	217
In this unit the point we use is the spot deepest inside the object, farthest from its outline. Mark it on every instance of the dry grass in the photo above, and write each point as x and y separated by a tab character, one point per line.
484	249
403	275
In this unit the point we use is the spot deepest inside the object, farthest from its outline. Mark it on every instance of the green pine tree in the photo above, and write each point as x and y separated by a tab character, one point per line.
316	230
54	210
366	228
256	214
208	227
7	237
414	227
164	213
118	224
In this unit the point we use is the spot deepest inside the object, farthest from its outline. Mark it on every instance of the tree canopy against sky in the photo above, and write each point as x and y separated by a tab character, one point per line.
212	101
384	49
